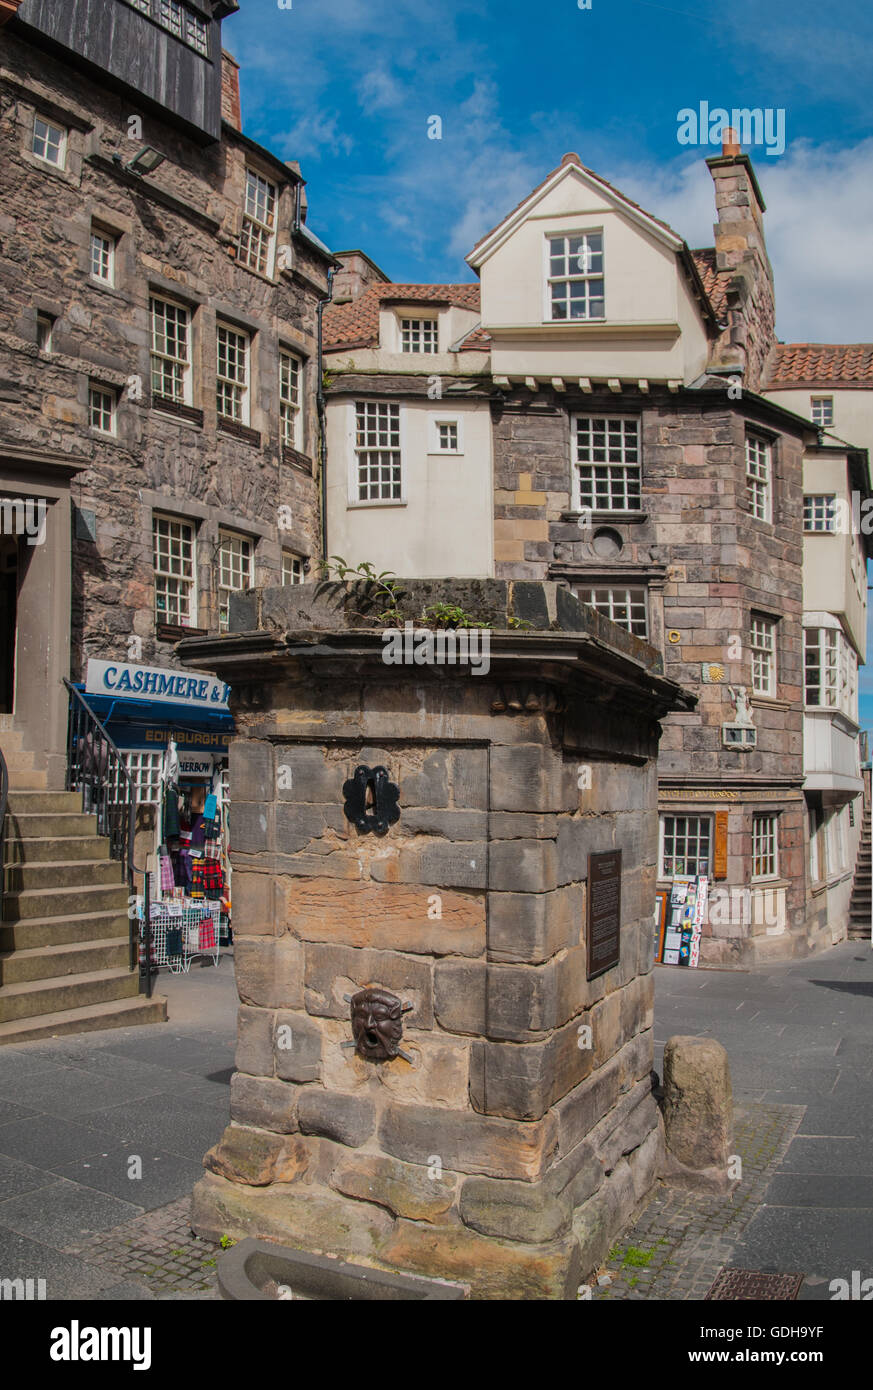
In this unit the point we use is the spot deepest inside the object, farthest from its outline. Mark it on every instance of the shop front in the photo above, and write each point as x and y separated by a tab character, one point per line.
173	730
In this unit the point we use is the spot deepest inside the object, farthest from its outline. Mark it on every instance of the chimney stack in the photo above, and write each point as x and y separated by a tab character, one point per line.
741	249
230	106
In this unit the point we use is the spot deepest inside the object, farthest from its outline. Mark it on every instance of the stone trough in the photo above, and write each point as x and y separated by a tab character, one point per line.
247	1271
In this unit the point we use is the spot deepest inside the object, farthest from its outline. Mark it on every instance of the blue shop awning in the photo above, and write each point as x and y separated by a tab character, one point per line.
120	715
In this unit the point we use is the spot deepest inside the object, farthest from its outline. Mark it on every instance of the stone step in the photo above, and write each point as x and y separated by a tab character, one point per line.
39	851
27	778
117	1013
71	992
70	873
61	931
40	802
61	902
55	962
51	825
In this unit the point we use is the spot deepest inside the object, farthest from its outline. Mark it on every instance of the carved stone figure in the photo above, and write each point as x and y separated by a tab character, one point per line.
744	709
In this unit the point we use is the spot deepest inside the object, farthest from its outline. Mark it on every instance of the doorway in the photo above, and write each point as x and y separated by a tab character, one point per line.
8	620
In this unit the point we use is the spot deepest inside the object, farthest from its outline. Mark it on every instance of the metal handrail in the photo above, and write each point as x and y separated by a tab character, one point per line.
96	767
4	799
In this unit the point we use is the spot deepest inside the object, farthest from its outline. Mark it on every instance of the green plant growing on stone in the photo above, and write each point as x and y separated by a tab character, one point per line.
637	1259
383	586
451	615
519	623
226	1241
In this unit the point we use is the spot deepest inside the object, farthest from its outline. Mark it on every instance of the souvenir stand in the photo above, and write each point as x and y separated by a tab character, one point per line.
173	730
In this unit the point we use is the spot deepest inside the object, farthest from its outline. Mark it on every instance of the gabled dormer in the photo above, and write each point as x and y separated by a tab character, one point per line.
580	282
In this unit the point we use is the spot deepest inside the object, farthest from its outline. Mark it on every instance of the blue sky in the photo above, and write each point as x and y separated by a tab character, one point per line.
347	87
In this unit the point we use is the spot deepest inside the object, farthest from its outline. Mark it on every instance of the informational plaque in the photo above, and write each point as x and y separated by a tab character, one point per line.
604	911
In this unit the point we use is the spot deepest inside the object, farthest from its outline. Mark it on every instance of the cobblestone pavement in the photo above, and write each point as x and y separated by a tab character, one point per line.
156	1251
677	1241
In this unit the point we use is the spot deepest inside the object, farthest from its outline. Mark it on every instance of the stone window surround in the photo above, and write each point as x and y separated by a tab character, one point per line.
32	101
770	615
743	502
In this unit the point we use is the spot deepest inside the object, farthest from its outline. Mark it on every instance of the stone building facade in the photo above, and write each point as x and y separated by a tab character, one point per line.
158	329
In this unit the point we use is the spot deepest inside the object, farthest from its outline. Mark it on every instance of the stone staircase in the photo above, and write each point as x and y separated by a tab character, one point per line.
64	944
861	907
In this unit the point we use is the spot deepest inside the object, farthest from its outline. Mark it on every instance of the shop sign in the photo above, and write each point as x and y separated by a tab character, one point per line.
154	683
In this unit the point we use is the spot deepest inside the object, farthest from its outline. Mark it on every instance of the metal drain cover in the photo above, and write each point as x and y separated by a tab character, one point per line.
754	1284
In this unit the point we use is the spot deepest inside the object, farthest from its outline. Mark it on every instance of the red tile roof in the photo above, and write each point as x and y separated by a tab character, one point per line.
834	364
357	324
715	281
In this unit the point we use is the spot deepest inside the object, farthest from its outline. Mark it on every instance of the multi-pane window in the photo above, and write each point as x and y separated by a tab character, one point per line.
289	399
821	666
234	571
685	845
101	409
418	335
232	394
175	572
626	607
822	410
819	512
765	856
196	32
145	773
44	325
171	16
49	142
144	5
836	841
447	436
758	476
170	350
103	257
763	648
258	225
608	463
575	278
815	822
292	568
377	451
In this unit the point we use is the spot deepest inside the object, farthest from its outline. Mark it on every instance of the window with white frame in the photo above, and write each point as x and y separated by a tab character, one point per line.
445	435
49	142
145	773
626	607
196	32
765	846
685	845
815	819
170	352
607	463
292	568
822	410
758	476
822	666
258	224
819	512
418	335
575	278
44	325
101	409
763	648
175	571
102	257
234	571
290	415
378	467
232	386
178	19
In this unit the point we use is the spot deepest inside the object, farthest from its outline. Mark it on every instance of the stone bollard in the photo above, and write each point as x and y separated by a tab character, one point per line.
698	1113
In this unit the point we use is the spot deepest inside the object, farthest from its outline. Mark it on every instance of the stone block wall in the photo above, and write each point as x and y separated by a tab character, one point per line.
511	1146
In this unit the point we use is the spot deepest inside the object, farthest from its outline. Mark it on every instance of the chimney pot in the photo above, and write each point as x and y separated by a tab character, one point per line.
730	143
571	158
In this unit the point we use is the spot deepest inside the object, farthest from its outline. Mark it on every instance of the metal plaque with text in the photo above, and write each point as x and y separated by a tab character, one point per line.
604	911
